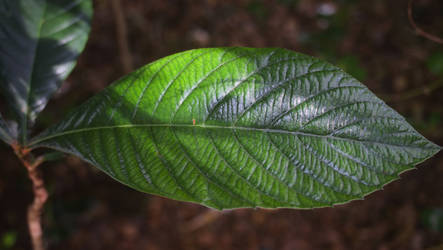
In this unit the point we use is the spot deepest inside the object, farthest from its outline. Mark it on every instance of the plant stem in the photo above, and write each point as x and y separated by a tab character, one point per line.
122	37
35	210
418	30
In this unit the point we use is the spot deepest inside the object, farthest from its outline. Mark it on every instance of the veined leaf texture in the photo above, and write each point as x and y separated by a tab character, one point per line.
242	127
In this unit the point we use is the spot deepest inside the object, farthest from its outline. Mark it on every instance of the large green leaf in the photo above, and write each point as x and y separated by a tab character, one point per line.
241	127
40	41
5	134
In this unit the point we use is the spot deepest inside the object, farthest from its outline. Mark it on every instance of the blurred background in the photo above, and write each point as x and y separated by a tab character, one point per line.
372	40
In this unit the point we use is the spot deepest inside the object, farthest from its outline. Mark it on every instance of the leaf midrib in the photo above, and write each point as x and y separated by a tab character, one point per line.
37	140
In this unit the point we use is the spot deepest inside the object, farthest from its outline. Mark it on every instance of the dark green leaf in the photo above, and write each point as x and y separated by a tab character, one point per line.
352	65
241	127
433	219
435	63
8	240
5	133
40	41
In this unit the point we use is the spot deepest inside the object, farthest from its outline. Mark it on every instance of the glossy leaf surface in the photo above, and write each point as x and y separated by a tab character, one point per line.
40	41
241	127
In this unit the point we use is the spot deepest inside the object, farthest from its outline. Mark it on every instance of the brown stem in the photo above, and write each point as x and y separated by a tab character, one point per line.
35	210
418	30
122	38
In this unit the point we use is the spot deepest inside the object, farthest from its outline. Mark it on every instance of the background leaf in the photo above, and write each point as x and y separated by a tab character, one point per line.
433	219
5	133
241	127
40	41
435	63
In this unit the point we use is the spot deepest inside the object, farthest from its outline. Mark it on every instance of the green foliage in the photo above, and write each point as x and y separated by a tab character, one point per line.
433	219
258	9
289	3
8	240
40	41
242	127
333	29
352	65
435	63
